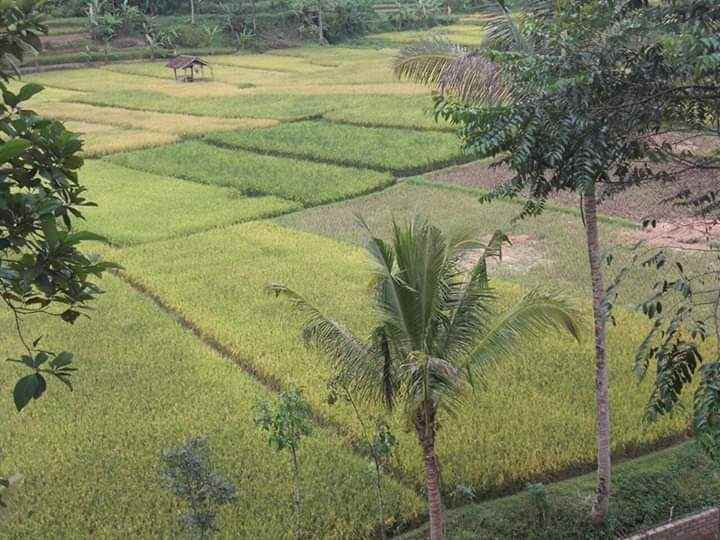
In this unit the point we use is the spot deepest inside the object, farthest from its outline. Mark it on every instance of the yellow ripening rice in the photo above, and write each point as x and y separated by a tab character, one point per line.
101	140
101	80
174	124
323	89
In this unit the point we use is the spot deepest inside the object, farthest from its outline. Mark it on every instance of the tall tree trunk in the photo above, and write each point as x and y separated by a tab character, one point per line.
254	17
192	11
296	491
425	427
602	496
321	29
381	503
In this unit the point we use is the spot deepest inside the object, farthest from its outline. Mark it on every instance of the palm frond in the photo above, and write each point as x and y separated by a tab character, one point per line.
453	70
470	303
503	25
425	62
361	366
431	380
534	315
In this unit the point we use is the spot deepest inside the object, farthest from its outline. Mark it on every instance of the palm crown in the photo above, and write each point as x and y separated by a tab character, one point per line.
437	323
437	329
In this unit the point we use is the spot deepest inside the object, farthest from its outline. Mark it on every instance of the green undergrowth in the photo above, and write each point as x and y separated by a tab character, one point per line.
304	182
646	491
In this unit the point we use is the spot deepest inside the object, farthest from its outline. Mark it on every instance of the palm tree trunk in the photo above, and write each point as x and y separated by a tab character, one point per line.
192	11
604	462
425	427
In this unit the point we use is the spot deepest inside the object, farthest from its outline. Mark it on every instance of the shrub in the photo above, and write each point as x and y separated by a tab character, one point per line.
189	35
188	473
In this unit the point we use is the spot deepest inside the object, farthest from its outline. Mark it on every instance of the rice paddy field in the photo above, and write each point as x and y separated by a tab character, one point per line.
208	191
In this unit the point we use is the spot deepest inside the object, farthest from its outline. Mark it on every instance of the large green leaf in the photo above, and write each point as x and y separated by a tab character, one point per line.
12	149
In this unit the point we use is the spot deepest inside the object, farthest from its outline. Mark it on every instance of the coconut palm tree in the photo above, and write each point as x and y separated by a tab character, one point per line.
472	77
438	329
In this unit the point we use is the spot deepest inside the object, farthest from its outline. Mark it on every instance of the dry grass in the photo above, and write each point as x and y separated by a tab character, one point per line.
174	124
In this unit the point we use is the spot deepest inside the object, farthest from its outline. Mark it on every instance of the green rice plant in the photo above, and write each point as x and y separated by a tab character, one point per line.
253	174
349	78
535	418
145	384
397	150
220	72
390	111
268	62
280	107
48	95
175	124
99	80
373	71
88	80
377	89
134	207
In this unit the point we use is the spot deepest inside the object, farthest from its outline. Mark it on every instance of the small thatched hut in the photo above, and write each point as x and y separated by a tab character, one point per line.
191	66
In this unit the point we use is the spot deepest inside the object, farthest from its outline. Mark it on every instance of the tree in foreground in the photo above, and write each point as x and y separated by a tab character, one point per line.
570	96
438	330
42	270
287	423
683	345
187	472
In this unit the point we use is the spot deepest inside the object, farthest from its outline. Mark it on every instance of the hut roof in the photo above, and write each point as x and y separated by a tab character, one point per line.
182	62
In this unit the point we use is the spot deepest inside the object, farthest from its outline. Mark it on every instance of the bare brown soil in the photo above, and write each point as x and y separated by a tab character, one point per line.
636	203
687	234
517	257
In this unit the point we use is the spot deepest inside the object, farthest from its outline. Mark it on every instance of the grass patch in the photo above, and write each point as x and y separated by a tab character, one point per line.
90	457
175	124
646	491
101	140
534	420
300	181
136	207
396	150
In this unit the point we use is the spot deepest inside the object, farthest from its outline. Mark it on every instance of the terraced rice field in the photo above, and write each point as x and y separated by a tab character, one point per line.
206	192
